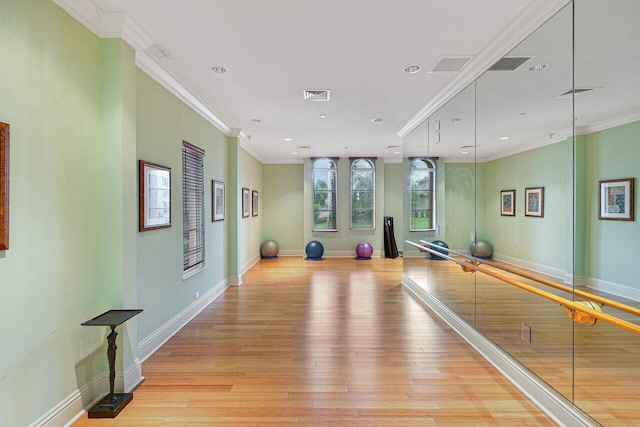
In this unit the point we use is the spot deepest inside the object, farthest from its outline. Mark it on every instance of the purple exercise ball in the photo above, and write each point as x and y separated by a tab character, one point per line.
364	250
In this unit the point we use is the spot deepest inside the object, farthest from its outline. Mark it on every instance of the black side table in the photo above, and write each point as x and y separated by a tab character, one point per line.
111	405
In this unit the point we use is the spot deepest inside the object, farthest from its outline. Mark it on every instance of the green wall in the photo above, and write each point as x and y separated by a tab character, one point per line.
164	122
250	228
62	267
460	200
393	199
283	206
611	154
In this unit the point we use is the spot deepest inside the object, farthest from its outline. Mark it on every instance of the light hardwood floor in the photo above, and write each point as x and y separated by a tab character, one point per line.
337	342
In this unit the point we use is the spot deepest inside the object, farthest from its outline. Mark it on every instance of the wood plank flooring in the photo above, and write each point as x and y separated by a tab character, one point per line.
336	342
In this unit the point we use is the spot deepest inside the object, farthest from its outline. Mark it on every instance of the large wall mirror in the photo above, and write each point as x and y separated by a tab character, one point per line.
526	156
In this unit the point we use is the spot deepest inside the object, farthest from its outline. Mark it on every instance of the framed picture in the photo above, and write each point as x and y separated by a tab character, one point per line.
155	196
534	201
616	199
245	202
217	198
254	203
508	203
4	186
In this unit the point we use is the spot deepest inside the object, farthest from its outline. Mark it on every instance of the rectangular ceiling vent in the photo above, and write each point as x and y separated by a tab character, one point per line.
509	63
316	95
574	93
450	64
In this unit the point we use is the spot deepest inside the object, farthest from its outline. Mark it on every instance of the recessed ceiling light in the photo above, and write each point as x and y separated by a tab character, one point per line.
396	152
580	118
538	67
218	69
378	120
294	153
288	139
504	138
411	69
465	152
423	147
322	116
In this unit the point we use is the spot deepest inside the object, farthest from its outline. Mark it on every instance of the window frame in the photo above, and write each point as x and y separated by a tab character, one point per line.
431	170
193	195
372	171
334	170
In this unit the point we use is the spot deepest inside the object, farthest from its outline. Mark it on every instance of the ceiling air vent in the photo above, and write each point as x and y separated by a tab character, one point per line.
304	147
448	64
316	95
577	93
509	63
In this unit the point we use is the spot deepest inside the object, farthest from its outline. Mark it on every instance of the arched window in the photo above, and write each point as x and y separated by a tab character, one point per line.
325	187
423	195
363	184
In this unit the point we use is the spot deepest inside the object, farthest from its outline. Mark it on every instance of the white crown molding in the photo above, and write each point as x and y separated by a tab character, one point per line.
521	27
560	136
244	140
119	24
624	119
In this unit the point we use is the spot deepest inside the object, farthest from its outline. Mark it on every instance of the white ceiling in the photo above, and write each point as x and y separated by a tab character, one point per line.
275	49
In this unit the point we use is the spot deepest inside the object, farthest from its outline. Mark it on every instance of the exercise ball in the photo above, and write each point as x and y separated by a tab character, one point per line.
442	249
481	249
364	250
269	249
314	250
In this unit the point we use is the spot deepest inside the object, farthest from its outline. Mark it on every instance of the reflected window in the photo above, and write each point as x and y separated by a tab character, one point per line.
423	195
193	209
325	186
362	194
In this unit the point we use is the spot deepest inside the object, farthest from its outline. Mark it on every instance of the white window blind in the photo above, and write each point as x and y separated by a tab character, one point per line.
193	208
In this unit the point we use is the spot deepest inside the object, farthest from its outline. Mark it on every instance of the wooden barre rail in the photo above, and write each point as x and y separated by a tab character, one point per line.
571	305
602	300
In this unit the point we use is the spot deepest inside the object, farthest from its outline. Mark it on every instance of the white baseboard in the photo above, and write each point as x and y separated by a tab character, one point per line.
555	405
291	252
156	339
72	408
247	265
614	289
532	266
132	376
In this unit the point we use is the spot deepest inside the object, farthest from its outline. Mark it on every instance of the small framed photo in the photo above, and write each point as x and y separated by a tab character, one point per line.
508	203
616	199
246	202
534	201
4	186
155	196
217	198
254	203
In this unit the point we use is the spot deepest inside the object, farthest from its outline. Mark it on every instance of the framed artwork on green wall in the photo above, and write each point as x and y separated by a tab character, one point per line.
217	188
4	186
616	199
246	202
155	196
534	202
254	203
508	203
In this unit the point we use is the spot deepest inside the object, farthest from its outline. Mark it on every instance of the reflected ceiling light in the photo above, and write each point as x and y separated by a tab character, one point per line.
218	69
288	139
580	118
378	120
323	116
465	152
423	147
294	153
411	69
396	152
538	67
504	138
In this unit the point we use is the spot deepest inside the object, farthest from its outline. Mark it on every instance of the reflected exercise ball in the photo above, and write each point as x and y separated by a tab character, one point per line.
481	249
442	249
314	250
269	249
364	250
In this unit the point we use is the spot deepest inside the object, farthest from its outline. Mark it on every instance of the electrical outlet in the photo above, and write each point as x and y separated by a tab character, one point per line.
197	294
526	333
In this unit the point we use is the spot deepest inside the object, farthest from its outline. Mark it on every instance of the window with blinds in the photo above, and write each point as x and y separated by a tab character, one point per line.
193	209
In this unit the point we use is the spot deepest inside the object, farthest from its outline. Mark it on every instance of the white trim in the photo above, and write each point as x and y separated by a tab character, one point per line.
72	407
291	252
556	406
247	265
520	28
559	136
156	339
614	289
532	266
387	160
132	377
609	123
235	280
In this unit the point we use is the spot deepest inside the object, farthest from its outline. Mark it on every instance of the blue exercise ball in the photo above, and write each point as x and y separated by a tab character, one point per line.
269	249
364	250
314	250
442	248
